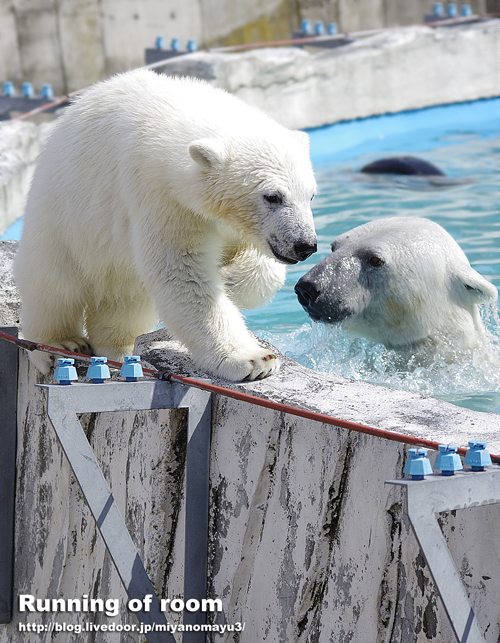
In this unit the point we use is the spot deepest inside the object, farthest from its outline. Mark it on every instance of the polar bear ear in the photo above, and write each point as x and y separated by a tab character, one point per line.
478	288
208	152
303	138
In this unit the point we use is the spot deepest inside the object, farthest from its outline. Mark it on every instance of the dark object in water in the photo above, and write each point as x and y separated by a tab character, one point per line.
406	165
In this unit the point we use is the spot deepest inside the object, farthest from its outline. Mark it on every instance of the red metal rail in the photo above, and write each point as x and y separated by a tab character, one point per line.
57	101
245	397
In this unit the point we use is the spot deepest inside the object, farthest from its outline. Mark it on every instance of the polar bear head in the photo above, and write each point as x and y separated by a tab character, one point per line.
401	282
262	187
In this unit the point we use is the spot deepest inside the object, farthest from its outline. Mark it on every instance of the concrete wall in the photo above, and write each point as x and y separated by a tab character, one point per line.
59	552
74	43
10	304
20	146
387	72
361	14
307	543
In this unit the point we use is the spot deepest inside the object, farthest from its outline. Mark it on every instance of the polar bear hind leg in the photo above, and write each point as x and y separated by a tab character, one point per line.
114	322
53	316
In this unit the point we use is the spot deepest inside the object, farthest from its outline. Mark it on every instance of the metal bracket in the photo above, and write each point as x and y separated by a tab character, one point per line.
434	494
8	440
64	402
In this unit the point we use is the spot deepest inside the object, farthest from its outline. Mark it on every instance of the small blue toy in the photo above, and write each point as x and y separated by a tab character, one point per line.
8	88
319	28
417	464
27	90
65	372
305	26
466	11
131	368
438	9
46	91
191	45
477	456
451	10
98	371
175	45
160	42
332	28
447	460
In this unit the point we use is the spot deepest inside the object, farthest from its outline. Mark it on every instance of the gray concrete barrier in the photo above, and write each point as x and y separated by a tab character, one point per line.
20	144
306	542
72	45
19	148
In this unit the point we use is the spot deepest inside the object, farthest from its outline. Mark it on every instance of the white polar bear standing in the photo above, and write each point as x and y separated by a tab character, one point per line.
163	195
403	282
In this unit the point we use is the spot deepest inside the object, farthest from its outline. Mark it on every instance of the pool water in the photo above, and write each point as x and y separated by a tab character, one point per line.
464	142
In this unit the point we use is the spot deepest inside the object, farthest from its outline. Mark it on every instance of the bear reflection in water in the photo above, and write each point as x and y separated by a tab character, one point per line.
402	282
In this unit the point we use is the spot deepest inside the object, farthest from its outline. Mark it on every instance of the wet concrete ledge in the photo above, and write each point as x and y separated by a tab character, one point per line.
378	406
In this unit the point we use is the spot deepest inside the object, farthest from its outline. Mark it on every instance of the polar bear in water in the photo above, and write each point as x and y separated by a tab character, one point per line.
403	282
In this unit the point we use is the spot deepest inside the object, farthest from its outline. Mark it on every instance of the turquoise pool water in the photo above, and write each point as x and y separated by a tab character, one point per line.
464	142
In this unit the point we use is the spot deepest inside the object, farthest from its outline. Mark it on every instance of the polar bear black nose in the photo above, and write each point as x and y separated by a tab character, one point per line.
306	292
304	250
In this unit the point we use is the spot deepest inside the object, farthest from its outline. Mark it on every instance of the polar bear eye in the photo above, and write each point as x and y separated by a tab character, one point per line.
375	261
274	199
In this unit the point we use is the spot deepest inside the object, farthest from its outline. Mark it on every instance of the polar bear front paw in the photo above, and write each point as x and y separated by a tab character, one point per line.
76	345
45	362
253	364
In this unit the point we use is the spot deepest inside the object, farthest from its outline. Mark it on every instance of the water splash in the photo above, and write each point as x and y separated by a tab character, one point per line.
329	349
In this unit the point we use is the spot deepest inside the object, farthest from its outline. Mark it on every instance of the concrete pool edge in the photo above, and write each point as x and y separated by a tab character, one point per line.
379	406
357	401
